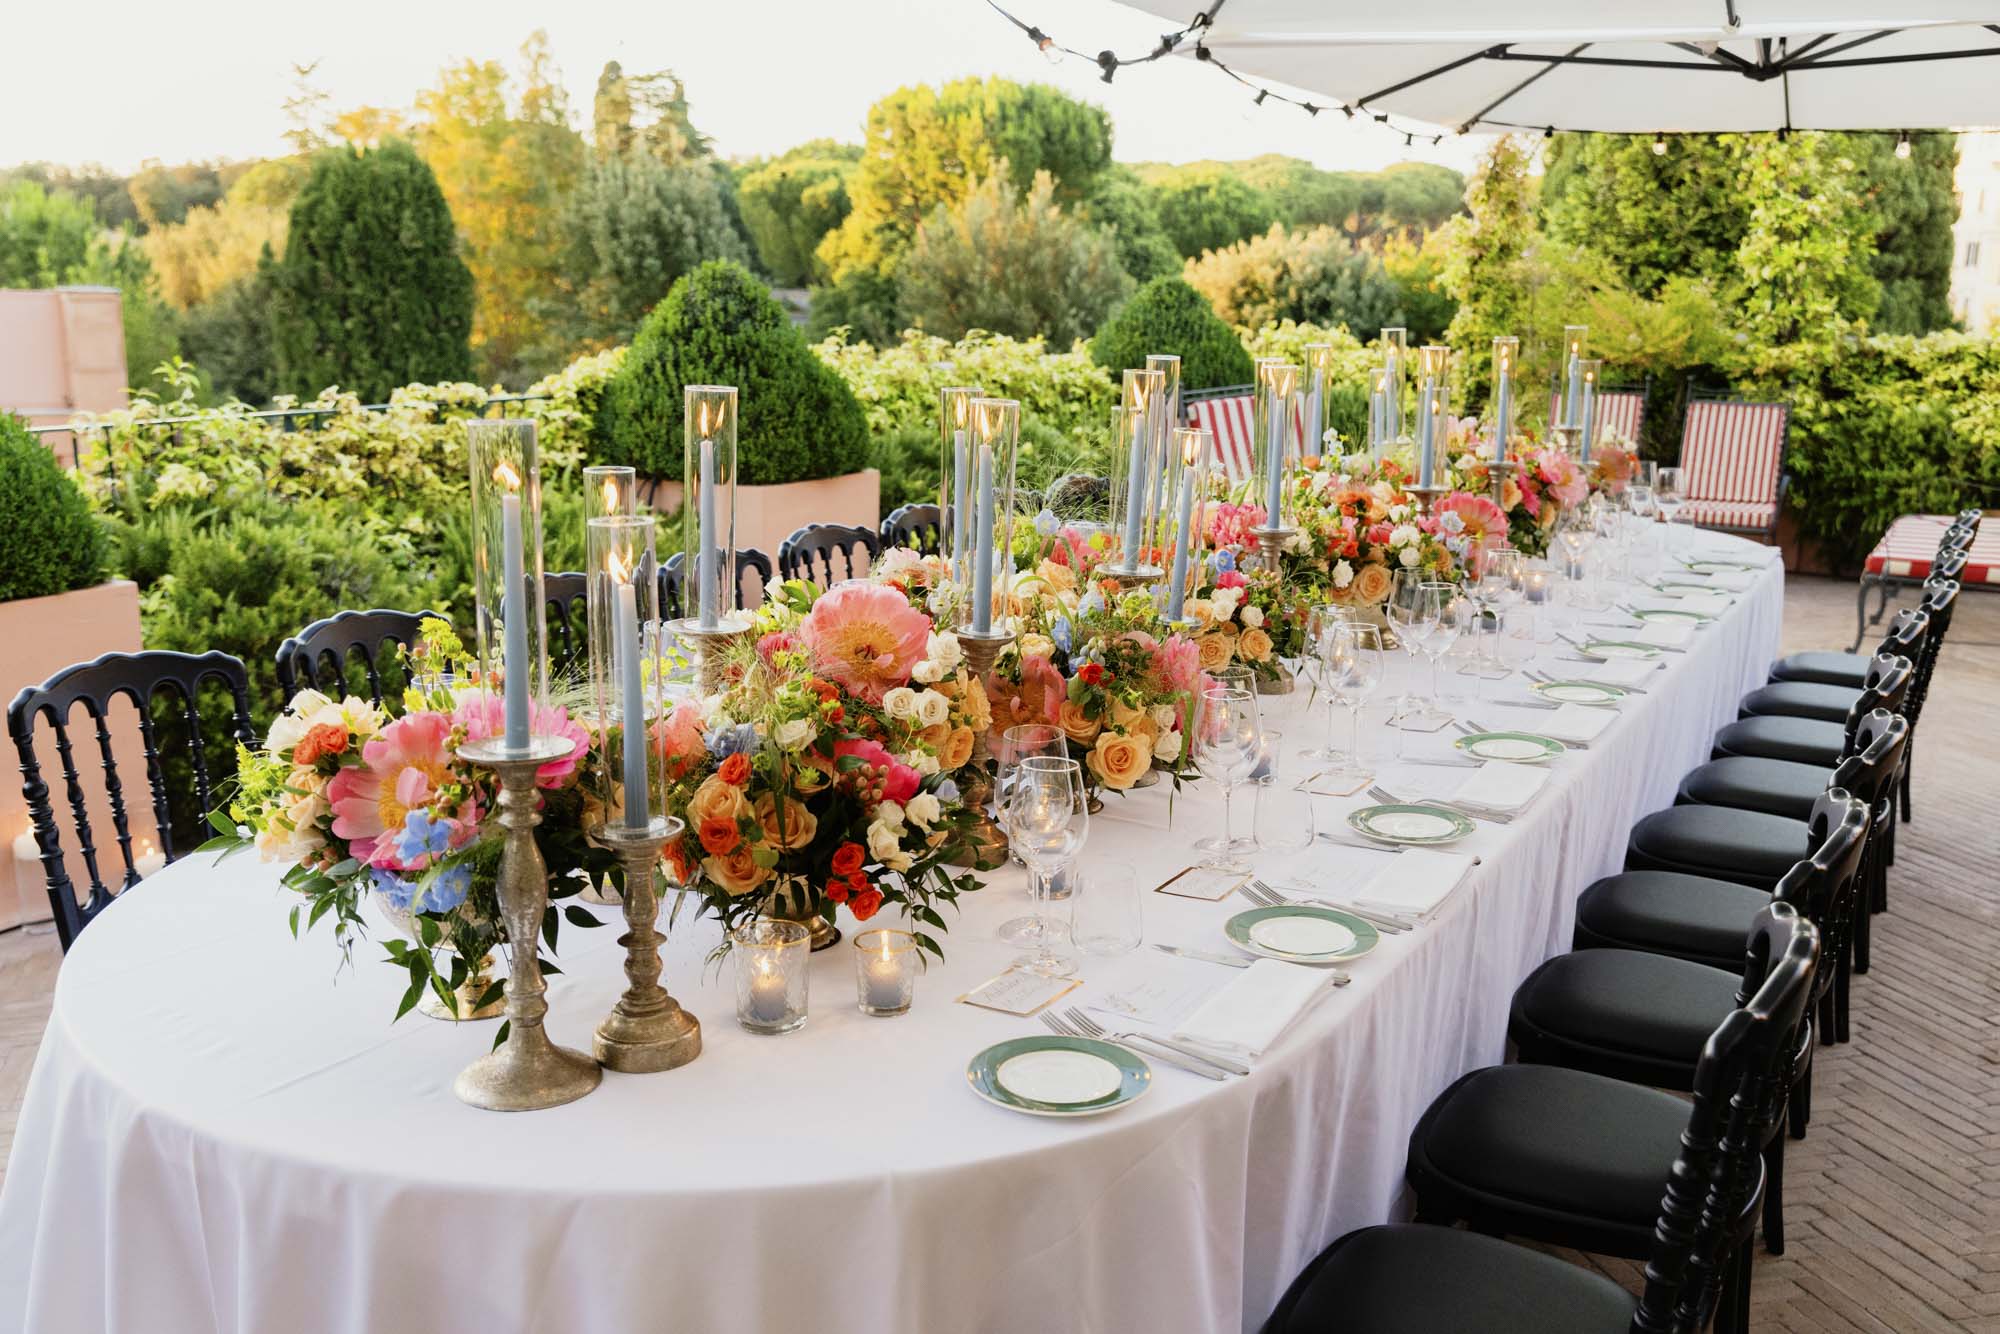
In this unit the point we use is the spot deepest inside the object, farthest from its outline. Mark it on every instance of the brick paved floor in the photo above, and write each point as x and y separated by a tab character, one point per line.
1893	1202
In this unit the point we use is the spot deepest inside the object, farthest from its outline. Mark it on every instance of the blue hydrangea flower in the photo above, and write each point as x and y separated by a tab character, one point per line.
1046	523
1222	561
739	739
1451	522
947	791
1093	601
422	835
446	890
1060	632
393	887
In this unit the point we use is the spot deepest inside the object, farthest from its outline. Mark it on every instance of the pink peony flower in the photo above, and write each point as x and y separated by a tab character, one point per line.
1231	579
401	770
1230	525
679	736
483	714
866	637
1179	663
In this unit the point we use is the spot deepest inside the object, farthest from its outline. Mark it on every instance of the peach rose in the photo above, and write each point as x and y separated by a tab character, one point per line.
717	800
1059	578
1254	645
1075	725
800	823
1371	584
1215	650
957	749
1134	722
737	873
935	735
1120	761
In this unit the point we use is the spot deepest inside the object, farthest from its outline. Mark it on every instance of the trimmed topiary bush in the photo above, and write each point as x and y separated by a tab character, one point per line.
50	542
719	325
1168	316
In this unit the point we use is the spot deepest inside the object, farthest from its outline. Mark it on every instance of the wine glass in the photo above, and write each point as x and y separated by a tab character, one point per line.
1409	612
1227	744
1047	823
1352	668
1455	613
1017	744
1321	622
1669	497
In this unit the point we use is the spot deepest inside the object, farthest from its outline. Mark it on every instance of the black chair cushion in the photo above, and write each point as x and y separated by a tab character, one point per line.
1802	699
1544	1143
1625	1013
1800	740
1824	666
1410	1279
1688	916
1749	847
1775	787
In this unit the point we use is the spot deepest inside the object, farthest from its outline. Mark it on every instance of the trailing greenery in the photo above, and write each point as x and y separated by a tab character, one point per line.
1168	316
49	541
719	325
371	293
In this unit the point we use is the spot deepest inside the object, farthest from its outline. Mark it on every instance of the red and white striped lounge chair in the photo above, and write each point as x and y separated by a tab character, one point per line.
1226	415
1733	465
1908	551
1619	410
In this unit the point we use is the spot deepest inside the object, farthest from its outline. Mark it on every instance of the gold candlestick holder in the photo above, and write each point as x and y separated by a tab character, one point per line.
712	646
986	841
526	1072
1426	497
1271	545
647	1030
1140	576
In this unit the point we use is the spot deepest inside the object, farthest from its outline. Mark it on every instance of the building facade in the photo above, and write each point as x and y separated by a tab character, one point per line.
1975	252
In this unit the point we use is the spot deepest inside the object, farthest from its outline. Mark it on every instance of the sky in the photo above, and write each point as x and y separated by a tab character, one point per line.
120	81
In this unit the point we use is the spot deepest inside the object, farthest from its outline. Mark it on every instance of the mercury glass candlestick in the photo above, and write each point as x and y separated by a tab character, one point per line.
1506	354
1318	379
985	842
1593	370
647	1030
527	1071
1573	338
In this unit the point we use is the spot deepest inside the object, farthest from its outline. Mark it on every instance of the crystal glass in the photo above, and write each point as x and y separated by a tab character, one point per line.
511	617
1106	911
956	483
1284	821
1227	743
1048	823
1497	585
1022	742
610	492
1166	420
1318	381
1137	458
996	434
1378	411
1352	665
1506	363
1320	621
1274	434
1235	676
1410	613
771	974
708	488
886	964
1396	369
1669	497
1455	614
627	672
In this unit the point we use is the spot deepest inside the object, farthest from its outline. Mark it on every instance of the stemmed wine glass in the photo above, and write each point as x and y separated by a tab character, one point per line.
1410	612
1454	613
1321	622
1016	745
1047	823
1228	741
1669	497
1351	667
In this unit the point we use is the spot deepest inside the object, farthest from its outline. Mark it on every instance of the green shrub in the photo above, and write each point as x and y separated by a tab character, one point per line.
1168	316
719	325
1206	208
49	540
898	383
908	461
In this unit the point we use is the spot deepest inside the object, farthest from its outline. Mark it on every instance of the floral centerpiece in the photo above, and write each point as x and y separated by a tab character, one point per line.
1255	619
822	777
1544	482
1359	526
1612	461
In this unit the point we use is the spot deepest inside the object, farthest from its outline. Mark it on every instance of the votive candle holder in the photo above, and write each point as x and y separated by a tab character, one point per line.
771	974
886	964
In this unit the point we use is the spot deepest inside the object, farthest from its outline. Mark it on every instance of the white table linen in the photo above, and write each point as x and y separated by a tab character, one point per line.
222	1135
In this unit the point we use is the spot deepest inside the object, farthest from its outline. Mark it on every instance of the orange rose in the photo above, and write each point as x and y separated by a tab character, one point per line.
735	770
716	799
935	735
1075	725
320	742
957	749
977	708
719	837
736	872
1215	650
848	859
1119	760
1371	584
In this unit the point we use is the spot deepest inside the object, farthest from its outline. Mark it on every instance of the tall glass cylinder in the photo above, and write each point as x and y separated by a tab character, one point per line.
1395	364
996	432
609	491
1433	399
1378	411
1572	373
511	618
1592	370
955	479
1319	378
1277	426
1165	422
708	480
627	672
1193	457
1506	356
1135	466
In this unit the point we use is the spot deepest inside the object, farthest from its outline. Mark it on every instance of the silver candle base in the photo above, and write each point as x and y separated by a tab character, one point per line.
647	1030
1137	576
1426	497
986	842
711	646
527	1072
1271	545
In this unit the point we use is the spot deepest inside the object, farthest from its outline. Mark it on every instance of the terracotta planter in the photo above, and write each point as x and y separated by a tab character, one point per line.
767	515
38	638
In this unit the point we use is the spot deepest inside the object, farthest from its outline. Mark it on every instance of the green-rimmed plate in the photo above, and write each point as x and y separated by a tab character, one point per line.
1578	692
1410	825
1057	1076
1511	747
1717	566
1650	614
1302	933
1608	649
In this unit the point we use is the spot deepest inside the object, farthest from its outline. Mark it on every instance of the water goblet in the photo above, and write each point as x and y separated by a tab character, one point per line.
1227	745
1048	822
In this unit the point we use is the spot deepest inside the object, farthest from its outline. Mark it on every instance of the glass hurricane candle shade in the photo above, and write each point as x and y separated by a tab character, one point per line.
1137	459
708	488
511	619
1193	457
1506	361
1318	379
956	484
886	964
1395	366
996	431
1572	372
1274	433
771	975
1378	410
610	492
626	671
1165	421
1593	373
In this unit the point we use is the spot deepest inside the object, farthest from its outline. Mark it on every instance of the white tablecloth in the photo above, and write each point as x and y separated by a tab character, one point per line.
222	1135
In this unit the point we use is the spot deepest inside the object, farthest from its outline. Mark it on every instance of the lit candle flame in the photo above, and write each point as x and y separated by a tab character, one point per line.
503	473
616	567
610	496
702	428
960	405
1191	448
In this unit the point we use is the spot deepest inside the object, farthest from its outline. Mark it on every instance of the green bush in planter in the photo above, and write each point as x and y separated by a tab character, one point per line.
1168	316
719	325
50	542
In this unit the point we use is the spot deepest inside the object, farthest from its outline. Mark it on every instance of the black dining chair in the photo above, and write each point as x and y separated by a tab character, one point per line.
1578	1160
141	679
753	576
1813	740
918	526
317	656
567	595
825	553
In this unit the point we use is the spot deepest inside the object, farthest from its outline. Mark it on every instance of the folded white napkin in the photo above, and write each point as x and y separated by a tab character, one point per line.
1575	722
1747	553
1499	787
1416	882
1621	672
1672	634
1254	1007
1708	604
1735	581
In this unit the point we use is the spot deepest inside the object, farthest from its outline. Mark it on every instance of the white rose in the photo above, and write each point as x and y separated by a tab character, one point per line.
1410	557
795	734
1253	617
944	650
1298	542
1398	513
890	814
286	732
1168	748
901	704
1403	535
1224	600
1343	574
922	761
885	846
924	808
932	708
1164	714
926	673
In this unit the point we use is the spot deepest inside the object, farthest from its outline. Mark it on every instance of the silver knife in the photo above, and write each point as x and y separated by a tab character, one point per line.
1226	960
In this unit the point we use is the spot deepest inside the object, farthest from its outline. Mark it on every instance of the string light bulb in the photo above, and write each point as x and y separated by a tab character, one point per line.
1046	45
1903	145
1659	145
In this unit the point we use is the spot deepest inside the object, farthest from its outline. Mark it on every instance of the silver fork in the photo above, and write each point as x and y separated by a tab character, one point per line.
1382	921
1383	794
1055	1024
1092	1028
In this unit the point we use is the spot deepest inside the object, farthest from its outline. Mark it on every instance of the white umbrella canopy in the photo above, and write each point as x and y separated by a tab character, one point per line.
1673	66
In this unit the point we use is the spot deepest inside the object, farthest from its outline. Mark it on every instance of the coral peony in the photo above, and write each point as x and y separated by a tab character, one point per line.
402	771
866	637
483	714
1484	524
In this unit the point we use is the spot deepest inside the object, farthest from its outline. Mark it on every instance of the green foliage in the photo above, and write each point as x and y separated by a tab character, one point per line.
1207	210
1168	316
1352	359
719	325
229	337
863	303
49	540
1124	208
1406	200
791	203
1914	205
907	458
1314	276
371	293
1065	392
1012	265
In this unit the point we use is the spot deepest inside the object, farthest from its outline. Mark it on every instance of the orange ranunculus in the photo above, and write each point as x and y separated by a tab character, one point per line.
735	770
865	903
320	742
719	836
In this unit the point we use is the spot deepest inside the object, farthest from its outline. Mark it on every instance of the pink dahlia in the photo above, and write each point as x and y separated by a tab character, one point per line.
483	714
866	637
402	770
1484	524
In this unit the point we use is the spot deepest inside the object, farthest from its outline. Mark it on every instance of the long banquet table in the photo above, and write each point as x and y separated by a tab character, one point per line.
221	1134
